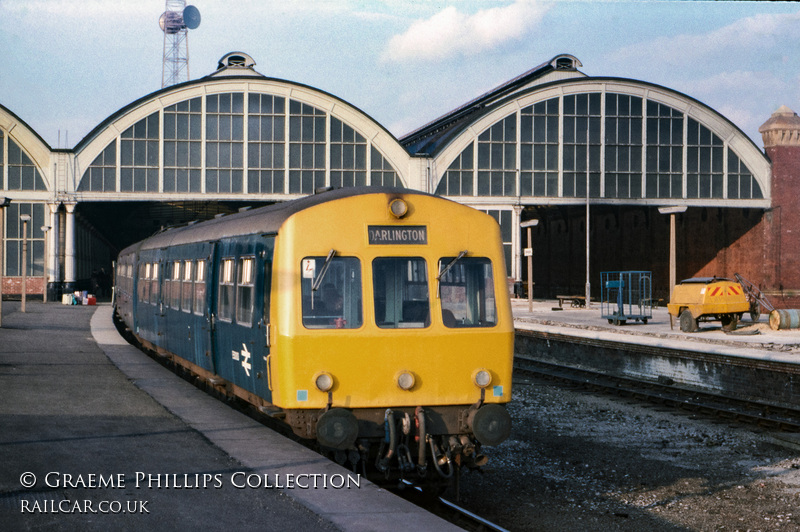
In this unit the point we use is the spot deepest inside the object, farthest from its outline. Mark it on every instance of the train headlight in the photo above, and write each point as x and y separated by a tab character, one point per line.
406	380
398	207
323	381
482	378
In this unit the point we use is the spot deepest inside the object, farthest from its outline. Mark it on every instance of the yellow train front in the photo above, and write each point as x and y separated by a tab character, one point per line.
373	320
392	330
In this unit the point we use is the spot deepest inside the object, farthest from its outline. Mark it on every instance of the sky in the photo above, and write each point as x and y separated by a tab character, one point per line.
67	65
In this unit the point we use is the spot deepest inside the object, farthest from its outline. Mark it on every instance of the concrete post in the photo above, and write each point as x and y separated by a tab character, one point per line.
69	248
51	266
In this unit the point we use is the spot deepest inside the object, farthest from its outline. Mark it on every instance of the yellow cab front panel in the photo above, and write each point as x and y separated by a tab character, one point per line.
398	324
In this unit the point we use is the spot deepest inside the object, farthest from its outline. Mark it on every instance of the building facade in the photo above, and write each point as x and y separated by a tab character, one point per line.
591	158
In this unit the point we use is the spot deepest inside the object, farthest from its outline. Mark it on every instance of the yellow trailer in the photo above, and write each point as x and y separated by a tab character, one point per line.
708	299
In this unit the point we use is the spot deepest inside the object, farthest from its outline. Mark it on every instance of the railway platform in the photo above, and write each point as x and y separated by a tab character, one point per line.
95	435
753	362
750	338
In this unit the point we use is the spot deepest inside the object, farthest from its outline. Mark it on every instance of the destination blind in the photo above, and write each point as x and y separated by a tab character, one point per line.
398	235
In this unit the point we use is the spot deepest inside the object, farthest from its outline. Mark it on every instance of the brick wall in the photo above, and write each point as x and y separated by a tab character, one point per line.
12	286
786	221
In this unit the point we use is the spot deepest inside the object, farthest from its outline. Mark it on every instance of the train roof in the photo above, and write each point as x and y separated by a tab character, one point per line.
263	220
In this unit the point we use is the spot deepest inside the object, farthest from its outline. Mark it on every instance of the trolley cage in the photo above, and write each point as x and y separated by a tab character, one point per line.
626	295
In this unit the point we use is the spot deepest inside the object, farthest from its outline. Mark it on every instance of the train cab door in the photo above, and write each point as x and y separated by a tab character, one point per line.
240	338
264	324
198	301
160	329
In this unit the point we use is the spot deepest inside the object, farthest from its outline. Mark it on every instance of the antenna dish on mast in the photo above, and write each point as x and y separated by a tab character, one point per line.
174	21
191	17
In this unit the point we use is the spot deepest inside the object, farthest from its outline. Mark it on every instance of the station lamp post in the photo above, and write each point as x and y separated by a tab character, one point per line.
45	275
529	253
672	211
4	202
25	219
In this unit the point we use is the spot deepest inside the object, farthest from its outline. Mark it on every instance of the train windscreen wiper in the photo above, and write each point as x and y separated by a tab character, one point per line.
445	270
318	281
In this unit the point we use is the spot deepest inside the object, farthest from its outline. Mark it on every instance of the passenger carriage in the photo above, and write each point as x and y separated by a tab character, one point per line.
370	319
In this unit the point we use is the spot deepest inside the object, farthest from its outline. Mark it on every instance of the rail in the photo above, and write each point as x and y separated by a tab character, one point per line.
449	511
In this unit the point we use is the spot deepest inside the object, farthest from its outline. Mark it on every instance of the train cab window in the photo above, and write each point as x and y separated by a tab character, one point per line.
199	287
244	291
186	290
400	287
331	292
175	286
226	293
466	289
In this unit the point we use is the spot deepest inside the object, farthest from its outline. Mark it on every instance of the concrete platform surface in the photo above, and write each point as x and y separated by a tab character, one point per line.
95	435
750	339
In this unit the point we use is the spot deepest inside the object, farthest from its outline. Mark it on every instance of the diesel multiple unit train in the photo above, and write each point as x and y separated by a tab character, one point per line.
373	320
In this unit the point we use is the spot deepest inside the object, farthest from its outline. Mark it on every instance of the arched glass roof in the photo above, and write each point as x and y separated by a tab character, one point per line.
23	155
613	140
231	135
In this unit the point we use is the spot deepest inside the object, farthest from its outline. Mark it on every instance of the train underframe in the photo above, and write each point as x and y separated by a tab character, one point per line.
393	446
414	444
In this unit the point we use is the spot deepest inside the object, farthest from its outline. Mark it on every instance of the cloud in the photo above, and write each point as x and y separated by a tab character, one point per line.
732	82
451	32
758	32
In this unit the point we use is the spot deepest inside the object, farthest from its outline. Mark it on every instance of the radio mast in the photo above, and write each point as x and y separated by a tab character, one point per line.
175	22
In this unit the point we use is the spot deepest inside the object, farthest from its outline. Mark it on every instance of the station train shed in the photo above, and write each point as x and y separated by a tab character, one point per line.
552	144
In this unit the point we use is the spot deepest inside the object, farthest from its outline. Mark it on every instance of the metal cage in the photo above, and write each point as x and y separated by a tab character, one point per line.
626	296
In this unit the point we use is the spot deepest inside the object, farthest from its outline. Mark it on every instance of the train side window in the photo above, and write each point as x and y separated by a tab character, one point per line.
167	282
144	282
467	292
244	291
149	276
336	303
400	288
199	287
148	282
186	290
175	286
226	290
154	286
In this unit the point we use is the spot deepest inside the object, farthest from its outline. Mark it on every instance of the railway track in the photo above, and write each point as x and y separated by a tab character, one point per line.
449	511
666	392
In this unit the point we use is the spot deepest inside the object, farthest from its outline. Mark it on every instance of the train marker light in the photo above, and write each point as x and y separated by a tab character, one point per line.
491	424
337	428
323	381
398	207
482	378
406	380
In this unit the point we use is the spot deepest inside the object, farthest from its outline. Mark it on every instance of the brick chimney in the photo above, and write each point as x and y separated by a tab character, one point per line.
781	135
